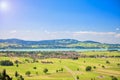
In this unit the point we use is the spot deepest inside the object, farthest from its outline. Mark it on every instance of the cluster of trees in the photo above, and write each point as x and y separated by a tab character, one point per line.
6	63
53	54
59	70
18	76
89	68
42	54
4	76
28	73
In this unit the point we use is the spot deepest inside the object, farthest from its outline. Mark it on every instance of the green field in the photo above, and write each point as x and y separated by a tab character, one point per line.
69	68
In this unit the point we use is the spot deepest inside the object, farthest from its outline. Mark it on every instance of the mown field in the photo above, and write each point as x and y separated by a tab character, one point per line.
71	68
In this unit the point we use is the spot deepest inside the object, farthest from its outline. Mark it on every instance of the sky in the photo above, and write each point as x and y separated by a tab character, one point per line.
97	20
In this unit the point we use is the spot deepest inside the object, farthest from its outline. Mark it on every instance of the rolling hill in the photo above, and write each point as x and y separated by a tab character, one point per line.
57	43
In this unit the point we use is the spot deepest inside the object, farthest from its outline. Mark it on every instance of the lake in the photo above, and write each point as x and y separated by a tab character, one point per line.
71	49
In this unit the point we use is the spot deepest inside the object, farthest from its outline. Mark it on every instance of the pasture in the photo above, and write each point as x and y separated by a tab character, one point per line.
71	68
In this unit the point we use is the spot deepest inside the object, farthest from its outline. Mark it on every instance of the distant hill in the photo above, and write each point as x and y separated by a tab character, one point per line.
57	43
90	42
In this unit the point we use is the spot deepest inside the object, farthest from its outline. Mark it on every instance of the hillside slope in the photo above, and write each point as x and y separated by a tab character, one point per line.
57	43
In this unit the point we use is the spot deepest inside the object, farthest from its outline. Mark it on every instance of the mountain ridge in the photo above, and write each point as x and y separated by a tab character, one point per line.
55	43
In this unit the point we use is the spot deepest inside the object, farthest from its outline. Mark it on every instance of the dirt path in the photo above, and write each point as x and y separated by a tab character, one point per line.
71	72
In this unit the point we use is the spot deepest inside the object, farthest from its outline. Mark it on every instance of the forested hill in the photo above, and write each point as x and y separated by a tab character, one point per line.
58	43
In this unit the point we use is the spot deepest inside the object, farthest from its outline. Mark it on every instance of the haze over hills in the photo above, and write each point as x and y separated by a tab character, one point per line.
57	43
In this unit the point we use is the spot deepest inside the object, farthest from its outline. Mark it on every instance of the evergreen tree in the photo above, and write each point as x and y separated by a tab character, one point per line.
16	74
4	72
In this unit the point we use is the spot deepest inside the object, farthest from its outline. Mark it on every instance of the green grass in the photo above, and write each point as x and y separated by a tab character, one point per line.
105	53
69	66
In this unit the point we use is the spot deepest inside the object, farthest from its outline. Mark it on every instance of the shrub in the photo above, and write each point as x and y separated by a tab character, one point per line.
118	64
75	58
36	73
27	60
77	69
103	66
84	61
28	73
107	62
34	67
56	70
88	68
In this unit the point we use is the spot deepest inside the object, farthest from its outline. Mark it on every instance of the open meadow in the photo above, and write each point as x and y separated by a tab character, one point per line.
59	39
102	68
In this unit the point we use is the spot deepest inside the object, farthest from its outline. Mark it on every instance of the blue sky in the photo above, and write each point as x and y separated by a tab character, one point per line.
97	20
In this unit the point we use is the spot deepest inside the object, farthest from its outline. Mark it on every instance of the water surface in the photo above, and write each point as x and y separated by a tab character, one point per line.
71	49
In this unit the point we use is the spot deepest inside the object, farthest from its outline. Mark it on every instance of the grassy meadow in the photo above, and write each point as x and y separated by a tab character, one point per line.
71	68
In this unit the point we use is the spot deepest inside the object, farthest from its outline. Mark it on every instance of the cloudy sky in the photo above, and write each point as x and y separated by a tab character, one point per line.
97	20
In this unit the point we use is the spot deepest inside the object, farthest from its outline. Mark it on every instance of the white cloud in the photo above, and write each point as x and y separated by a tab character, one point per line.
13	31
105	37
93	33
118	35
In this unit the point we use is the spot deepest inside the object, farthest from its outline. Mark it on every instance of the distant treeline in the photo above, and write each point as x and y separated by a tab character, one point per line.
55	54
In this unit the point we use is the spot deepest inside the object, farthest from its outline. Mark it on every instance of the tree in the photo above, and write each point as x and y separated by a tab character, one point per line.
4	72
17	65
28	73
61	69
16	61
4	76
77	77
75	58
1	75
36	73
88	68
20	78
113	78
94	67
16	74
45	70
